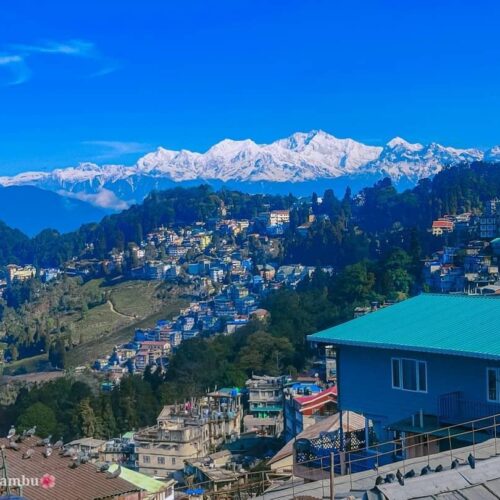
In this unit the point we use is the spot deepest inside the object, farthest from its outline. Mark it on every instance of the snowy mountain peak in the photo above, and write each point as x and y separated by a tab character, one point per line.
492	154
301	157
231	147
299	140
399	142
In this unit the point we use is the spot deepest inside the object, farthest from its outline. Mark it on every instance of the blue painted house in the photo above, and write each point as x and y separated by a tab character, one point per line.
420	364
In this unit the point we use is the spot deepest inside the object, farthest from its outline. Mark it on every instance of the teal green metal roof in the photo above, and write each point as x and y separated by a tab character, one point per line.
141	480
449	324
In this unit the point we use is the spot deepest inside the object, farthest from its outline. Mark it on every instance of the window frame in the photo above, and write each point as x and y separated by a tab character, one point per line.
496	370
418	362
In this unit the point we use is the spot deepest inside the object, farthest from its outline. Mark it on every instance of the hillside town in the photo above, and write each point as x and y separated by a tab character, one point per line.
285	431
249	250
469	263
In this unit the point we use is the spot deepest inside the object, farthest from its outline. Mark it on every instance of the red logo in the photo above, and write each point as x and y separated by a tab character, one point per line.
47	481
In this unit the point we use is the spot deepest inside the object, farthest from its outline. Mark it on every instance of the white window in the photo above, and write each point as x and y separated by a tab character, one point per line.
409	374
493	384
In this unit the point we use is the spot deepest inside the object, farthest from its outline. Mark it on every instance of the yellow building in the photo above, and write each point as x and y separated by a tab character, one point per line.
20	273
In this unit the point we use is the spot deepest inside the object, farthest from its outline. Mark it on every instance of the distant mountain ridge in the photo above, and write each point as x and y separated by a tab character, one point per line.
291	164
31	209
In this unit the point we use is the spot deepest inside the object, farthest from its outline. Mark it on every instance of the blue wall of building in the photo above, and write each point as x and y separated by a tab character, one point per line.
365	383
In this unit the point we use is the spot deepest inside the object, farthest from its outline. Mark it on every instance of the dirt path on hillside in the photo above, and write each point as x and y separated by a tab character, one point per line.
113	310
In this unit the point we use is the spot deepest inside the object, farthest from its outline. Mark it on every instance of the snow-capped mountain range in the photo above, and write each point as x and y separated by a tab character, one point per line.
301	160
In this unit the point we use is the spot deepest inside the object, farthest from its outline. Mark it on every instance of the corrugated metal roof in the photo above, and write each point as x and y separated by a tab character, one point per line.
81	483
449	324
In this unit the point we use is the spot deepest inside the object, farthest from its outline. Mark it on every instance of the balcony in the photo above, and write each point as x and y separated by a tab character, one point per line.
455	409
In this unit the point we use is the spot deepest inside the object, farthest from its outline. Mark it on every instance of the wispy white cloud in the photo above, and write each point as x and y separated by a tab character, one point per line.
110	67
16	57
17	70
113	149
79	48
103	198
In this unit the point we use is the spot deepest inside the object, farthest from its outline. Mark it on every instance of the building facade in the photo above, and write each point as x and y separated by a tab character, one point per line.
418	365
189	431
265	399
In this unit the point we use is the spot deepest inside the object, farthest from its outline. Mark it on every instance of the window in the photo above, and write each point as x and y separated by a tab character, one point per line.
161	460
173	460
396	381
493	383
409	374
146	459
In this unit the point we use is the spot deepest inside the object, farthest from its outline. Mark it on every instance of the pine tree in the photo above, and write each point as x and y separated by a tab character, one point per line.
87	419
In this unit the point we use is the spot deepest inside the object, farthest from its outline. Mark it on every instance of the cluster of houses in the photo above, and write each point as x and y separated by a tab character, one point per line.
470	267
412	380
469	226
470	260
166	252
228	292
216	439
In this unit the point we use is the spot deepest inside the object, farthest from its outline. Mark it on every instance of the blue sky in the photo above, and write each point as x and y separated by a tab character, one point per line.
106	81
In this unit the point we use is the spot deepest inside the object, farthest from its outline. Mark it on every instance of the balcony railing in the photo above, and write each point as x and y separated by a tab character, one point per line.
454	408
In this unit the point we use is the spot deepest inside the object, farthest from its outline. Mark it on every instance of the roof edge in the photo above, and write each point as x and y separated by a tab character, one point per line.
431	350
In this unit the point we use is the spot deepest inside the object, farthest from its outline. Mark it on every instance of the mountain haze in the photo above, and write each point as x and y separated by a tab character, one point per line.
31	210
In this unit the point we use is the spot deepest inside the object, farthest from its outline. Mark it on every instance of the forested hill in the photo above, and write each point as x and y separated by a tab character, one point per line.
452	191
179	205
375	210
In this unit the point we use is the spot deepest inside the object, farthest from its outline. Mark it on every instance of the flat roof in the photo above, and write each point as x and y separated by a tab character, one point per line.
142	481
460	325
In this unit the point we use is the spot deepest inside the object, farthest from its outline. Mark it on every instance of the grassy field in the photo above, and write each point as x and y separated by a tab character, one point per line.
105	341
135	298
28	364
128	302
93	317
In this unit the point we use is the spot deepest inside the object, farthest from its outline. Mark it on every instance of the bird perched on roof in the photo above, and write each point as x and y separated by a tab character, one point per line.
439	468
379	480
58	444
103	467
21	437
410	474
400	478
47	452
31	432
13	445
472	461
11	433
76	462
390	478
69	452
28	453
44	442
455	464
425	470
116	473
